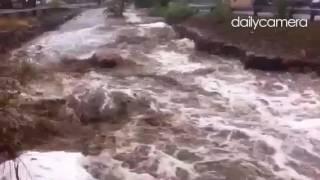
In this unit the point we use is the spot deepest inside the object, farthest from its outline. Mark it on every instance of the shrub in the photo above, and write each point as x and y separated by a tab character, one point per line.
158	11
164	3
282	8
56	3
222	12
144	3
177	12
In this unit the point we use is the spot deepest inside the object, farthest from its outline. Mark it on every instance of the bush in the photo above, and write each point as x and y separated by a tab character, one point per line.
158	11
282	8
164	3
177	12
56	3
144	3
222	12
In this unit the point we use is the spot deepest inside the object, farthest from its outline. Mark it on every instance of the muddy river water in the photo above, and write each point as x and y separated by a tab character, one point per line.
221	122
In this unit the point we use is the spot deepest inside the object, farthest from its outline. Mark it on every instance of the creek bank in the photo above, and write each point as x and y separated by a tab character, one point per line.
13	38
28	122
267	58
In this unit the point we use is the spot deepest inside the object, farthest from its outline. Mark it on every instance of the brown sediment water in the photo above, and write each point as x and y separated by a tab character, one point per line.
220	122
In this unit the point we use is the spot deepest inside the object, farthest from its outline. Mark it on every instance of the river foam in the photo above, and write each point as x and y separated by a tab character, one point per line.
221	121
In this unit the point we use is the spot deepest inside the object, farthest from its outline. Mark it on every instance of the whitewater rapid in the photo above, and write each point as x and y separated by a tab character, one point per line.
224	122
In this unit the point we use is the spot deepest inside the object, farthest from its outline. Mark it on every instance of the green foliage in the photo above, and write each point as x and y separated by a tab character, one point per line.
222	12
282	8
56	3
173	13
158	11
164	3
144	3
177	12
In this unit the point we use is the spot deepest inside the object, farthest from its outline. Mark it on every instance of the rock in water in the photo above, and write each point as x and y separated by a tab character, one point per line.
107	58
87	106
99	104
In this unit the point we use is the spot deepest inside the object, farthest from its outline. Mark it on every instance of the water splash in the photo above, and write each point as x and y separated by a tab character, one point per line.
222	122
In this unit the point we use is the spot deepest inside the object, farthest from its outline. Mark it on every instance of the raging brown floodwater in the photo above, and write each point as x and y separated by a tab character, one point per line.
221	122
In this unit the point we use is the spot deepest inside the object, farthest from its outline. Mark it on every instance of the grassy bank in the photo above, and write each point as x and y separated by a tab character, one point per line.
25	123
295	42
301	43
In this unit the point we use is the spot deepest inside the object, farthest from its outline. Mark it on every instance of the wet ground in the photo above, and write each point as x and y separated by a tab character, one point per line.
202	117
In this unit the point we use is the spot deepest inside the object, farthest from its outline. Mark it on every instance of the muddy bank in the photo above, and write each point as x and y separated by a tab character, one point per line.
13	38
27	122
39	115
268	57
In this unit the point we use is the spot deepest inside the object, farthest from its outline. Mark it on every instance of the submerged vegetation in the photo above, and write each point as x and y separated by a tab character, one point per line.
25	71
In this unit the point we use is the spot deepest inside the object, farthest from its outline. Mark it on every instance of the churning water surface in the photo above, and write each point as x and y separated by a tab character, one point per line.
221	122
